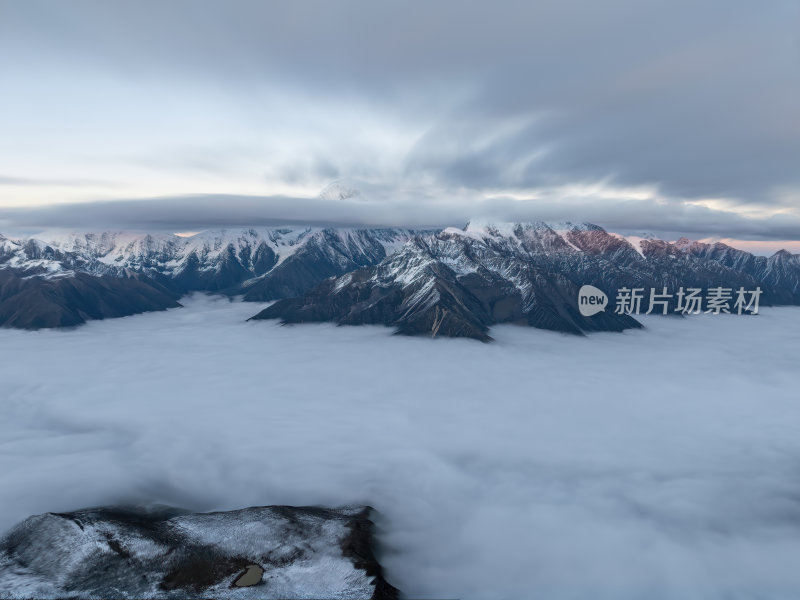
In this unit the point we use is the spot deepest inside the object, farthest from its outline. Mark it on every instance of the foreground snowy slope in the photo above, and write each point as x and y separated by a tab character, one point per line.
160	552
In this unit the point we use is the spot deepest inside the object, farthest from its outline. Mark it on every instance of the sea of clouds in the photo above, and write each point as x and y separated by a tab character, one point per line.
662	463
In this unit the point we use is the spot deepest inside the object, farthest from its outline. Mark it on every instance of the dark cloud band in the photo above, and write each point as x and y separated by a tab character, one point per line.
195	212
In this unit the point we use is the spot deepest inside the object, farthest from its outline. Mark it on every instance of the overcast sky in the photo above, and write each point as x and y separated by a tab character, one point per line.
680	116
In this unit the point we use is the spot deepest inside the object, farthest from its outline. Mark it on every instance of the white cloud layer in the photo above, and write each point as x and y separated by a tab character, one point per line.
659	463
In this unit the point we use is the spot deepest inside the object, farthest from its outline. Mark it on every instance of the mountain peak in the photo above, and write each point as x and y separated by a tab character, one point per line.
509	228
339	190
783	254
683	243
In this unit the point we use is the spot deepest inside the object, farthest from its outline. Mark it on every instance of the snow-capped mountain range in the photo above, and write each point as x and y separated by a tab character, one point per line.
54	281
214	260
460	282
480	275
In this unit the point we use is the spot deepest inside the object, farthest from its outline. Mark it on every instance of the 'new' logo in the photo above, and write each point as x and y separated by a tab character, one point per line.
591	300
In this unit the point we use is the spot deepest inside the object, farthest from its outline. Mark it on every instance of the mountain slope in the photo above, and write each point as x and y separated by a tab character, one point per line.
238	261
480	275
42	286
453	285
460	282
325	253
37	302
76	277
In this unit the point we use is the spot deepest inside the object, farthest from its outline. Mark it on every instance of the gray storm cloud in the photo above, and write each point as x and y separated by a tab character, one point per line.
696	100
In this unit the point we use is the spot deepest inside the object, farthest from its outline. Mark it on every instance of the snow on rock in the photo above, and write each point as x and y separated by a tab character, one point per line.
161	552
271	263
339	190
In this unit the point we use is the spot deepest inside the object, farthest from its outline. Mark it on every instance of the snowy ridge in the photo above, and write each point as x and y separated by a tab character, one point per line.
171	252
170	255
159	552
338	191
35	258
508	262
254	250
459	282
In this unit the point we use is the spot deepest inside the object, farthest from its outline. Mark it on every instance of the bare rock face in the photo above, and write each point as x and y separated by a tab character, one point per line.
76	277
457	284
460	282
261	552
40	302
484	274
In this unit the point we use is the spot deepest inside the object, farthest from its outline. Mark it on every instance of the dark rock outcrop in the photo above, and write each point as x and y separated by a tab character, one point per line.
38	302
326	253
449	285
460	282
260	552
